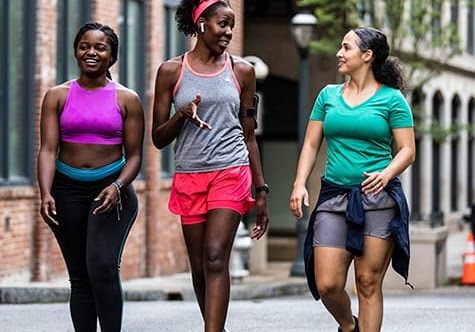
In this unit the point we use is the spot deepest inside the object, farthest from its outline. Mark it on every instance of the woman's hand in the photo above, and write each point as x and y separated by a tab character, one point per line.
262	214
48	210
190	111
374	183
109	197
298	197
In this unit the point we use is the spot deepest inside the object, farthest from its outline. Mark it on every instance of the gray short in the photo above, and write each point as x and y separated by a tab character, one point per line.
330	227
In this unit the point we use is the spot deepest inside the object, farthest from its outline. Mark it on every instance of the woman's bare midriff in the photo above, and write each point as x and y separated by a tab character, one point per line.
89	156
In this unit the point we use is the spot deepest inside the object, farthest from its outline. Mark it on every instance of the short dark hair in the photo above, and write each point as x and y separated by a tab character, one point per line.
108	31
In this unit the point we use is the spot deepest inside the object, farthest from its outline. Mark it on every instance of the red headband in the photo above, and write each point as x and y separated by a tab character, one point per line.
201	7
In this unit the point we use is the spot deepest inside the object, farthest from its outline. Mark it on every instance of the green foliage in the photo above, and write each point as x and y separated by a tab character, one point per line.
335	18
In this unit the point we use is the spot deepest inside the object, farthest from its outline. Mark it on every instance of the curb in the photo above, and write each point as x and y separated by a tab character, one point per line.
23	295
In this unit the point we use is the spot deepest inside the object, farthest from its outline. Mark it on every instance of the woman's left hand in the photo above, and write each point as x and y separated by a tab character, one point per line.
110	198
374	183
262	214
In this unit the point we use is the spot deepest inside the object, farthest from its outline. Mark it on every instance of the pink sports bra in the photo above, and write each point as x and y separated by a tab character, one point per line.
91	116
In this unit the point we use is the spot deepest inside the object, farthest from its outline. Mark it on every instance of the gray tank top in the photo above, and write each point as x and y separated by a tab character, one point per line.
200	150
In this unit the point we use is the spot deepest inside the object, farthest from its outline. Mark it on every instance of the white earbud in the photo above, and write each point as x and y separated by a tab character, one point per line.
202	27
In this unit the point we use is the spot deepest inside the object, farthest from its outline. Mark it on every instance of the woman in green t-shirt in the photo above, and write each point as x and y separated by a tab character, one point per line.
361	214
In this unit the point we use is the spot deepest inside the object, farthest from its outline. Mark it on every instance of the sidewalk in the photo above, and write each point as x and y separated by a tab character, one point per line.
274	281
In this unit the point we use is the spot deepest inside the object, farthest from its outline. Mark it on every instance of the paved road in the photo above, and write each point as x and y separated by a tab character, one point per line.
403	313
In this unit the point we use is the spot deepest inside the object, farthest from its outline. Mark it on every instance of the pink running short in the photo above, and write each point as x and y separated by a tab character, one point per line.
194	194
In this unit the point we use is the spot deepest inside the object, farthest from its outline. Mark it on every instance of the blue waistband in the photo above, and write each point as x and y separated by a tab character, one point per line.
90	174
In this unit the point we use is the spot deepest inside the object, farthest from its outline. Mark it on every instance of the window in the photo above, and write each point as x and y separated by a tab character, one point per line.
175	44
17	91
418	12
454	19
471	30
471	153
132	46
454	11
436	21
455	154
71	15
417	104
436	217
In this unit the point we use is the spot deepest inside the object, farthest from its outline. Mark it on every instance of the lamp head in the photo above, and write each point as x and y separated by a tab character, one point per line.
303	26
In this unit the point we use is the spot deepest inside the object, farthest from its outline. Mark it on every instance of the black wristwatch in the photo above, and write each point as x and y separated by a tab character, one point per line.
264	187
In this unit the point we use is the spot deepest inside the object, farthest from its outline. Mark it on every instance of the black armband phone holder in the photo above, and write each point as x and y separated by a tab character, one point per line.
251	112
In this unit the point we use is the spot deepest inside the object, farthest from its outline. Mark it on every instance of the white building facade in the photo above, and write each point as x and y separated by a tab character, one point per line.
441	183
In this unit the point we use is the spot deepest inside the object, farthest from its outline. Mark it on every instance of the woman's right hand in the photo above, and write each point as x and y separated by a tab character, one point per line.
190	111
298	197
48	210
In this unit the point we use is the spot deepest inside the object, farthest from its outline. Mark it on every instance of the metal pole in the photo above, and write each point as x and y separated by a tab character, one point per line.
298	267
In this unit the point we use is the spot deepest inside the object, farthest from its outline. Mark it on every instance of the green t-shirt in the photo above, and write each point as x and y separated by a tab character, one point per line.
359	138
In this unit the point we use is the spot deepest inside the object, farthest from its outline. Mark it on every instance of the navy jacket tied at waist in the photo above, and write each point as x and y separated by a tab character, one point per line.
355	218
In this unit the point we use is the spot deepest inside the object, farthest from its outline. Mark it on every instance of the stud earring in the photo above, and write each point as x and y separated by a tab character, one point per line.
202	27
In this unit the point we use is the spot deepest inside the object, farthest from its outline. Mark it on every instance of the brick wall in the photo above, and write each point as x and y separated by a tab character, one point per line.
236	45
16	216
164	237
155	246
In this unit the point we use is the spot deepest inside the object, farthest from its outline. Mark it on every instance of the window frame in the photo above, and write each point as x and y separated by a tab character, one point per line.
470	47
124	55
170	6
64	43
27	107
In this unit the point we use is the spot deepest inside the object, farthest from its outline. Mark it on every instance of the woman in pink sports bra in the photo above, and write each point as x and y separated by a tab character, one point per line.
91	150
216	156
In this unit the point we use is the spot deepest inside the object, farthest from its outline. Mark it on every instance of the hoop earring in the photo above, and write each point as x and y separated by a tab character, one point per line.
202	27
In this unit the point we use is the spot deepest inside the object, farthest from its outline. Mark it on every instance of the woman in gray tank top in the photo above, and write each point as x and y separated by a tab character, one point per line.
216	155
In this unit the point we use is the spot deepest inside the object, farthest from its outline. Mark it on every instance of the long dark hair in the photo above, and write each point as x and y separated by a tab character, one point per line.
386	69
111	37
184	14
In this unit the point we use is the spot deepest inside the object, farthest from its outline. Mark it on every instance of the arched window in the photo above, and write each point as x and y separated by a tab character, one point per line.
455	153
437	107
417	104
471	153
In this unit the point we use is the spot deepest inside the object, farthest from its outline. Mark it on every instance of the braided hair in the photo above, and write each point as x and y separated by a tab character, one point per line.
184	14
386	69
111	37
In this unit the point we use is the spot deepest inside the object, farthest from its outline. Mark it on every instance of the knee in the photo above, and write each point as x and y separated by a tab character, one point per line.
103	272
80	285
215	261
368	284
328	288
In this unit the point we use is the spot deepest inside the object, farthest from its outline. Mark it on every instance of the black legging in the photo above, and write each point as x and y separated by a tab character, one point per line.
92	246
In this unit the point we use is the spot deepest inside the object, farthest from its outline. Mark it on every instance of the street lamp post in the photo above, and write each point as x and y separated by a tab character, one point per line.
302	26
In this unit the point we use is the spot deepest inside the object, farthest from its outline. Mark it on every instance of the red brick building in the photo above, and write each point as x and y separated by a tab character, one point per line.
36	53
